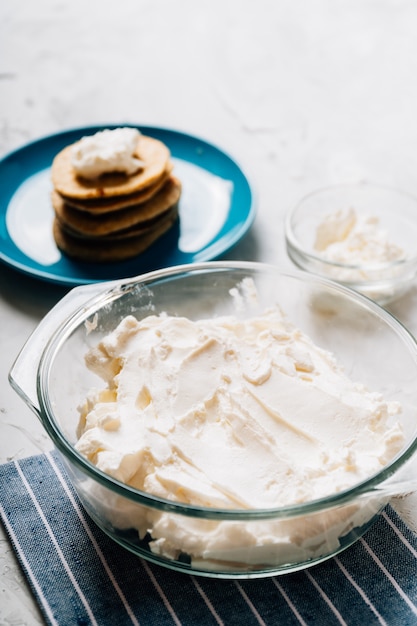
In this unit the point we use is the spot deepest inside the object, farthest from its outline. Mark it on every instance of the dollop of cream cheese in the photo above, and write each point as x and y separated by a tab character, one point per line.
348	237
231	413
105	152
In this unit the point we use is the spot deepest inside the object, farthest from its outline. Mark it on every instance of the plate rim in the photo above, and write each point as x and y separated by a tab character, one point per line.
65	279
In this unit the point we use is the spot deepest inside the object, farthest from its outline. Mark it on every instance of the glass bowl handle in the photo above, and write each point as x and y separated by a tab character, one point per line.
23	373
399	488
403	482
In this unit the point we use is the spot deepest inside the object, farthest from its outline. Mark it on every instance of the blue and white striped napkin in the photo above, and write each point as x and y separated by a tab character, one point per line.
81	577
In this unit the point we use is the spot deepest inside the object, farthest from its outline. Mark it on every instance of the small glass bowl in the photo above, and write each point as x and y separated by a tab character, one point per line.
50	375
396	213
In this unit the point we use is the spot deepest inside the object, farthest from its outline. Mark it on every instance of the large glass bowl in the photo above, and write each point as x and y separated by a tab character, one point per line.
379	278
375	349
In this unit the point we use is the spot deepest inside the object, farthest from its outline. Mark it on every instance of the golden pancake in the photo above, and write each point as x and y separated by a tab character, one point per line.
102	250
152	152
136	231
114	203
93	225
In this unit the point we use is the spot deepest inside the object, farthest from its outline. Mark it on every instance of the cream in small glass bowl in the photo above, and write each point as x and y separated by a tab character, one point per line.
237	421
360	235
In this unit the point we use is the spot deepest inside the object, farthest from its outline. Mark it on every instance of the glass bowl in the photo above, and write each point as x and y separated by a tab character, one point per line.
372	346
378	260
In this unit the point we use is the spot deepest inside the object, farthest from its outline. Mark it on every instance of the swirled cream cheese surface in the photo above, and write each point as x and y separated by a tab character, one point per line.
230	413
107	151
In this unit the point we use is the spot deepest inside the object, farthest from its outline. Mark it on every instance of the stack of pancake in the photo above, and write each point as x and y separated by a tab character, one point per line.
115	216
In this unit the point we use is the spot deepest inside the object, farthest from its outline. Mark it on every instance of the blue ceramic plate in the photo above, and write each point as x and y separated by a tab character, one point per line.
216	210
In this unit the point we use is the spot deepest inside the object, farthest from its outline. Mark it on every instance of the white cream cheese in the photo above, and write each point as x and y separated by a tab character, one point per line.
231	413
351	238
107	151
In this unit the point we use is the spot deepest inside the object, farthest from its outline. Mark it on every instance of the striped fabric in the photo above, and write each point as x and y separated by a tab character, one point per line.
79	576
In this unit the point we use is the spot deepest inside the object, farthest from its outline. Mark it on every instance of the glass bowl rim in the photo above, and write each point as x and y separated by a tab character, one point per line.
362	489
